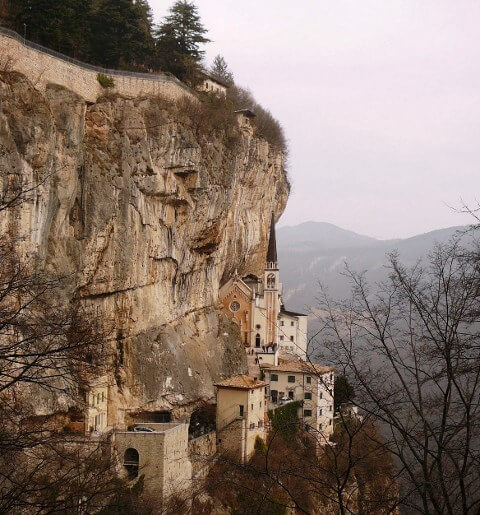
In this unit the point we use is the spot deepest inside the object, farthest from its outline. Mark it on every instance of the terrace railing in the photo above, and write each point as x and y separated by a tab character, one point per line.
160	77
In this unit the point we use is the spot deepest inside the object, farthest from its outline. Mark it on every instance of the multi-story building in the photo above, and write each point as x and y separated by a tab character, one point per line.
241	413
308	383
97	406
256	306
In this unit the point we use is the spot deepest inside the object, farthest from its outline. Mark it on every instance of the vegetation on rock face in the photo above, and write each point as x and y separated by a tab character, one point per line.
220	71
343	391
302	475
284	420
267	126
105	81
121	34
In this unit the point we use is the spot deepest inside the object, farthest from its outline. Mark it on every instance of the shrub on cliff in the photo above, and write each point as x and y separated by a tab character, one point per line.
267	126
105	81
213	116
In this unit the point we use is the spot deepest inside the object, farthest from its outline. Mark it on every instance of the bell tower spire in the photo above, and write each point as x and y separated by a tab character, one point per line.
272	288
272	246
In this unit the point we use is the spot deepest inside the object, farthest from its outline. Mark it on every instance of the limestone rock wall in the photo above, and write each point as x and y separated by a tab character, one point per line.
148	215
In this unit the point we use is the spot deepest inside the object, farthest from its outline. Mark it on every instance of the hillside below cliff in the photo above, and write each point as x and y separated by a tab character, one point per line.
147	206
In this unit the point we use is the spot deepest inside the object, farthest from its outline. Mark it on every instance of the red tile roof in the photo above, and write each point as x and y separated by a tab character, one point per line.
303	367
241	381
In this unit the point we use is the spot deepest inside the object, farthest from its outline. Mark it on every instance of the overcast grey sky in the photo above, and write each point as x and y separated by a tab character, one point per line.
380	100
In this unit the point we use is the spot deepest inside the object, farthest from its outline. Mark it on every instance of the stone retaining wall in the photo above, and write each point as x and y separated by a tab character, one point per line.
201	452
42	68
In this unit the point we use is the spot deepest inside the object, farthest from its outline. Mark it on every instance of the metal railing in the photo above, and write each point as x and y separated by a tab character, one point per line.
159	77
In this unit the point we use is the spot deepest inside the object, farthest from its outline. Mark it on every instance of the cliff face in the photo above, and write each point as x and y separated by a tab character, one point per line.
148	206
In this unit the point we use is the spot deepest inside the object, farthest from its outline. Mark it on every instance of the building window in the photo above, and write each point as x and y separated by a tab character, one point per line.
260	403
252	406
292	323
271	281
331	377
320	412
282	323
330	422
321	395
309	380
274	395
274	377
260	423
320	426
131	460
290	395
234	306
307	412
103	396
308	395
281	338
291	379
330	408
252	425
257	340
241	410
291	338
258	326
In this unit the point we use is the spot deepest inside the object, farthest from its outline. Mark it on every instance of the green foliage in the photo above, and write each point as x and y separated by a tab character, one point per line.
343	391
252	502
105	81
260	445
214	116
122	32
285	419
110	33
220	71
178	41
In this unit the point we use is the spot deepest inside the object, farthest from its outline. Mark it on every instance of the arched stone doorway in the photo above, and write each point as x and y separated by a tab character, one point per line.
131	460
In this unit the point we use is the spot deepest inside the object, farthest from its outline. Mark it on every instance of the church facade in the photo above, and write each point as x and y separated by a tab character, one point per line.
256	305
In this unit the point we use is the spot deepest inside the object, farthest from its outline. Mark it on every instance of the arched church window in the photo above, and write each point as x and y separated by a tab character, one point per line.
271	281
257	340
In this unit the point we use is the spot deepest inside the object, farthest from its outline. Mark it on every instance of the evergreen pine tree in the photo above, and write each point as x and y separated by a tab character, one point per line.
219	70
121	34
178	41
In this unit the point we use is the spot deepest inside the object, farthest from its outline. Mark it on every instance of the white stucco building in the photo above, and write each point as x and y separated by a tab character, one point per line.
211	84
308	383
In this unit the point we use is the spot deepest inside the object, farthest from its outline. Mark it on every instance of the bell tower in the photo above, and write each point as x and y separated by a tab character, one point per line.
272	288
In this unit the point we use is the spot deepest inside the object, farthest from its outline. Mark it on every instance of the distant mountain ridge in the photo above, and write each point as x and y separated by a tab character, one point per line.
316	252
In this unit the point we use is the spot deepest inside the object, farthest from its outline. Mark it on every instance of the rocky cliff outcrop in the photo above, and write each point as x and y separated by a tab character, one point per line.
147	206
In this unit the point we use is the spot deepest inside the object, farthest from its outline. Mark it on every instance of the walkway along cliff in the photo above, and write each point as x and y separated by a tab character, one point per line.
148	204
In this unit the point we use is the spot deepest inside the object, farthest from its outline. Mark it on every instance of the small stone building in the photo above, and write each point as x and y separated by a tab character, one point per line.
241	413
161	456
211	84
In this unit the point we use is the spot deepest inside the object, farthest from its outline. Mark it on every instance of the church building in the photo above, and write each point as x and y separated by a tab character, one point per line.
256	305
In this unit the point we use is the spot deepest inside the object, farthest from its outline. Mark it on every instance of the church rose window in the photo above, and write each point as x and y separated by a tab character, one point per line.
234	306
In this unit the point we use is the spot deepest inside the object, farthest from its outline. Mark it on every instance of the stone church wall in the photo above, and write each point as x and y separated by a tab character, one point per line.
43	66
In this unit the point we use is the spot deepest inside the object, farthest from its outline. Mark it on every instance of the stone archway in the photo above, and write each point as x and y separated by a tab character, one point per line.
131	460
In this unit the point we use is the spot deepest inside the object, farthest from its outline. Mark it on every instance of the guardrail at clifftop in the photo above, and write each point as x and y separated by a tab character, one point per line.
44	66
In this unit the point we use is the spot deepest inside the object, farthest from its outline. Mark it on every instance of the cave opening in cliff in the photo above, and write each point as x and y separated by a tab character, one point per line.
156	417
202	421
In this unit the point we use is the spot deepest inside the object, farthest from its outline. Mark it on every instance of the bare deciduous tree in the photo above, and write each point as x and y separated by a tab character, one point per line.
411	348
